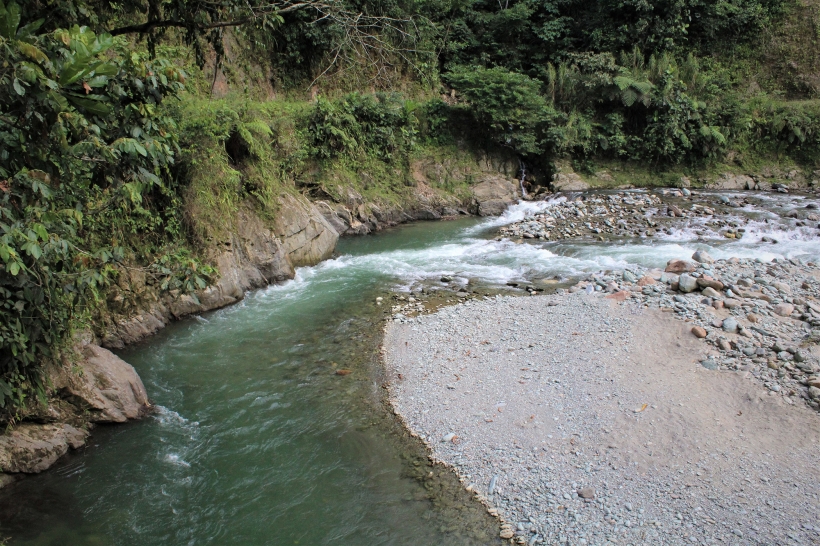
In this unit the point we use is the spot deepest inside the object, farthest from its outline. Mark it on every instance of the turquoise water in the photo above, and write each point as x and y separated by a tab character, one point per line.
257	441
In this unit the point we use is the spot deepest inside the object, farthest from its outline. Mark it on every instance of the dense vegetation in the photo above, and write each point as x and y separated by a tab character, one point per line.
113	157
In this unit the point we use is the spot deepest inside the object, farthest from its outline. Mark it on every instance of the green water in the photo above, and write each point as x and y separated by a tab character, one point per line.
257	441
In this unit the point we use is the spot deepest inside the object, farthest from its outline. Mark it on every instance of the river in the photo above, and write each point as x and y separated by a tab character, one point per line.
258	441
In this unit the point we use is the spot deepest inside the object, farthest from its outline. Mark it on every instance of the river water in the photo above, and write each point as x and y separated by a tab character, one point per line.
258	441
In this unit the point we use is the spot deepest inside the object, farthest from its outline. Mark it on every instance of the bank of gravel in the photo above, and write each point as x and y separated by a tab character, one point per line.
587	419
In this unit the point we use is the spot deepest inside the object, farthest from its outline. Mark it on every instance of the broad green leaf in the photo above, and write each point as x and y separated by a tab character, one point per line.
106	69
10	20
96	107
97	81
18	87
32	52
29	29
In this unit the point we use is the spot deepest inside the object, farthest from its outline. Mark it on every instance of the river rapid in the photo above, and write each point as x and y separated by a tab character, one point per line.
257	439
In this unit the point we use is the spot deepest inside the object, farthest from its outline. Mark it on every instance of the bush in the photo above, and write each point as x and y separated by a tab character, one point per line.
85	180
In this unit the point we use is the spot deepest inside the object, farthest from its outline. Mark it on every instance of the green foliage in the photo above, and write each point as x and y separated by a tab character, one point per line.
85	179
508	104
382	125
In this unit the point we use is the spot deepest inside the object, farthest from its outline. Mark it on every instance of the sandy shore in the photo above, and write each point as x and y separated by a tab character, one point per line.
581	420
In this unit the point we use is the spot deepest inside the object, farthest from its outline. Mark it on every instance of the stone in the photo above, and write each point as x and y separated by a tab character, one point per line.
730	325
687	283
706	281
493	194
31	448
753	318
699	332
507	533
104	385
679	266
783	309
814	392
629	276
710	292
702	256
724	345
618	296
709	364
782	287
731	303
307	237
586	493
646	280
717	304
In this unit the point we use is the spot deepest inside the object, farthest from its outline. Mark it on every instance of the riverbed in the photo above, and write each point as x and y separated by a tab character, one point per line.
261	437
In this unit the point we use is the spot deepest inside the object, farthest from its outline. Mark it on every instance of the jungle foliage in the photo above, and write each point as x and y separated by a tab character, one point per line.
85	184
107	162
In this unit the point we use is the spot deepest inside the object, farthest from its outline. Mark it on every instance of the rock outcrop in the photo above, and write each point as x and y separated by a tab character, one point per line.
102	386
307	237
494	194
253	255
31	448
566	179
98	387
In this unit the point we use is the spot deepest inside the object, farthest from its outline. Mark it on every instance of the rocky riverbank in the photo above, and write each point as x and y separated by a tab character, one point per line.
91	385
598	216
649	406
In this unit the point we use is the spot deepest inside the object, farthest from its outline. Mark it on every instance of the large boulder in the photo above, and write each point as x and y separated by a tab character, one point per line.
32	448
566	179
494	194
307	237
103	385
730	181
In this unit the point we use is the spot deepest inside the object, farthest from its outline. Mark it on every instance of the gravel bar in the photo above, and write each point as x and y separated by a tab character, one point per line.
579	419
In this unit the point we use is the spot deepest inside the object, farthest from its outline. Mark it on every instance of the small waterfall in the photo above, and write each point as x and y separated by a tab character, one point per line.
523	167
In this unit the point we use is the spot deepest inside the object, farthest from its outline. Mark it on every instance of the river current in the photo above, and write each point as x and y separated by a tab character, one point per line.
258	441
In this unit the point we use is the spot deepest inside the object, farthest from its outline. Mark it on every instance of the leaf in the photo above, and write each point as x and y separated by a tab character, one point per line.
10	20
32	52
29	29
106	69
87	88
90	104
18	87
14	268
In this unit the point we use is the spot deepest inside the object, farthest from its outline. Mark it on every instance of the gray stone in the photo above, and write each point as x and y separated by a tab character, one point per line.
709	364
687	283
730	325
702	256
